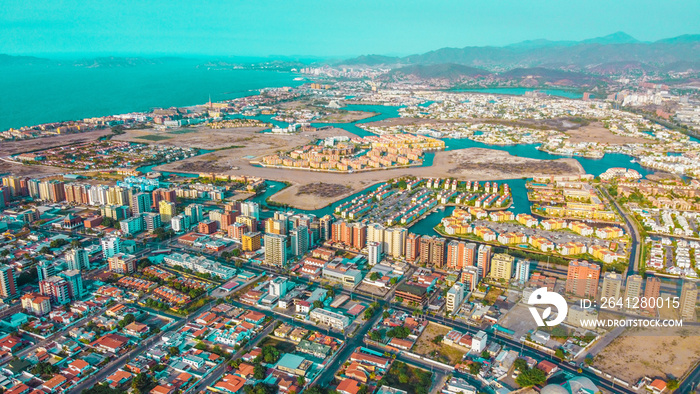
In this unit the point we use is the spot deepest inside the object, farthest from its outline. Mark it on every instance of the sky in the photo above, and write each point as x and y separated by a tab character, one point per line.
328	28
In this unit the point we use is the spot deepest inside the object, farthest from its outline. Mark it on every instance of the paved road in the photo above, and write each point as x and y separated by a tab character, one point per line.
601	381
636	238
214	375
104	372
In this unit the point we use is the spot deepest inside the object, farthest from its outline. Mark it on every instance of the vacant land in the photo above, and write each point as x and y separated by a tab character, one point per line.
651	352
438	352
346	117
281	345
595	132
28	170
154	137
519	320
14	147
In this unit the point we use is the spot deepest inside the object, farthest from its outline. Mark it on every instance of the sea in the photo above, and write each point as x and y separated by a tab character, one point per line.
36	94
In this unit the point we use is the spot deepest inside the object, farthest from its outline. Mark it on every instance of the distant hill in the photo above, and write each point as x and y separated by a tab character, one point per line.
447	71
608	54
7	60
371	60
537	76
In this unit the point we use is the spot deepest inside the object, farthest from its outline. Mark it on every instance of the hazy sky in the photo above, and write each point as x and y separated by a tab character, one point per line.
322	27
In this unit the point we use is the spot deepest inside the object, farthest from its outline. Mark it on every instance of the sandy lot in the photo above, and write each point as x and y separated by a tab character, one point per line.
651	352
30	171
595	132
519	320
476	164
13	147
249	140
443	353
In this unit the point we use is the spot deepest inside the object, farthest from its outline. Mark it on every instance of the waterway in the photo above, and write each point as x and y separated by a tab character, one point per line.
425	225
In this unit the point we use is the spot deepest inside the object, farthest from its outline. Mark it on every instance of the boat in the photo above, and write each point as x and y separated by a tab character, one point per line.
633	161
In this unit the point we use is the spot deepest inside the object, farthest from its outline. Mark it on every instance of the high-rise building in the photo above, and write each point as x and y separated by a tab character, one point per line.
300	240
140	203
75	283
228	219
249	221
374	252
582	279
460	254
117	195
502	267
395	241
689	297
132	225
375	233
522	271
111	246
14	184
122	263
412	247
151	221
276	226
483	260
77	259
652	289
252	209
633	290
194	211
278	287
454	297
36	304
251	241
57	289
470	277
45	269
167	210
180	223
325	227
236	230
432	250
276	250
8	282
612	285
359	235
116	212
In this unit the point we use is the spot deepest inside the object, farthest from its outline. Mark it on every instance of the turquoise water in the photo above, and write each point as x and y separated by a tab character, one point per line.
572	94
41	94
384	112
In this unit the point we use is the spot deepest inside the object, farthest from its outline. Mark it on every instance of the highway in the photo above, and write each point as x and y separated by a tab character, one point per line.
636	238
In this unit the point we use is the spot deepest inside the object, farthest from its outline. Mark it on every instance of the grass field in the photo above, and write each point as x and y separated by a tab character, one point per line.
282	346
153	137
440	352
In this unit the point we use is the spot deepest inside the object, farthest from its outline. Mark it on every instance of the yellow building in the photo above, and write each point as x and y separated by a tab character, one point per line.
167	210
251	241
502	266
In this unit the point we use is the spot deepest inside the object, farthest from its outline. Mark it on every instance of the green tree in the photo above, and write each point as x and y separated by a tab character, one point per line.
474	368
259	372
520	364
672	384
531	377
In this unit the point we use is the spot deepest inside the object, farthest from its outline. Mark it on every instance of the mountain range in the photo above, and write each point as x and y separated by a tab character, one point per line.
613	54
